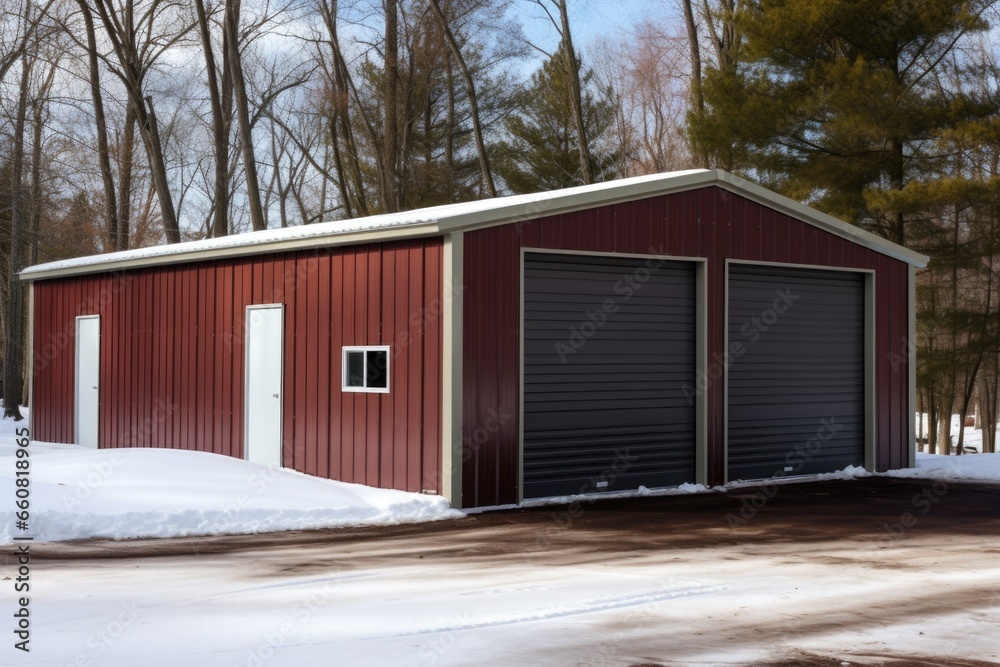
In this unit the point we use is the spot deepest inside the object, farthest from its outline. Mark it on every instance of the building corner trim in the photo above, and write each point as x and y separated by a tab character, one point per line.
871	387
30	358
452	373
911	365
701	370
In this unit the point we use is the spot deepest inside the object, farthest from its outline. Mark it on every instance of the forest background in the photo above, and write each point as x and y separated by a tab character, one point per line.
129	123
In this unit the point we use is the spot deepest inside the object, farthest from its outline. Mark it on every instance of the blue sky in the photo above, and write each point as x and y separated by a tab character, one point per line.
592	19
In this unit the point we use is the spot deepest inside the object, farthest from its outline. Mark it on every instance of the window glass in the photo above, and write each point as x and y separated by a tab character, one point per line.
355	369
378	364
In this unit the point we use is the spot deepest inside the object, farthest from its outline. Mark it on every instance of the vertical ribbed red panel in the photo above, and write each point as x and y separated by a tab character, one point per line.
491	367
710	223
172	365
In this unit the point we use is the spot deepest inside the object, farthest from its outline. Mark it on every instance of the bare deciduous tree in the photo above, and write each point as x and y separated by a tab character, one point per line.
470	85
138	39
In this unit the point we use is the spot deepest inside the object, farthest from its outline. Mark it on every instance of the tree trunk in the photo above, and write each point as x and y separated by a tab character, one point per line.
477	126
697	94
220	129
122	33
390	130
932	423
989	383
125	170
13	378
35	212
231	23
449	135
28	31
944	427
341	125
338	165
101	127
576	94
150	131
921	411
970	387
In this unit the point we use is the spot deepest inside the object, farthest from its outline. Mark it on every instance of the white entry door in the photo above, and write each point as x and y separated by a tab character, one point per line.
87	380
264	353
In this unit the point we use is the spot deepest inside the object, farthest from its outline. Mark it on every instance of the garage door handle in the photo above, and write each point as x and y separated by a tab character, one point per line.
276	396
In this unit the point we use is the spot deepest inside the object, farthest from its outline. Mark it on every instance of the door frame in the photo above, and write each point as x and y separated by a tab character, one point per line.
869	346
248	313
700	266
76	377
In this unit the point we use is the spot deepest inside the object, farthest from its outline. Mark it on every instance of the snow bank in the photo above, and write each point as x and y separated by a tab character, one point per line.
982	467
682	490
130	493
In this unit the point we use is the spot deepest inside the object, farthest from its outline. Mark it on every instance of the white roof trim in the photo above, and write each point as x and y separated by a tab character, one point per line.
461	217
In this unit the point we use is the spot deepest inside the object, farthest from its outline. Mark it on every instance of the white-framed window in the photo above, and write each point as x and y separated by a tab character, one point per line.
366	369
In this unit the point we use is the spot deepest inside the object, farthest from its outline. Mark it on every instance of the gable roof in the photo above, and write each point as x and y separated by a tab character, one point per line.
464	217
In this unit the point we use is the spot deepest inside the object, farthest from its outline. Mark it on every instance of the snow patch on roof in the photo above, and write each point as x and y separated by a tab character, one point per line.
531	205
448	218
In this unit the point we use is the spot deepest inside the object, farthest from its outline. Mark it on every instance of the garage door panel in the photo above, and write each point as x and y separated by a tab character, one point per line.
603	416
610	397
776	406
797	388
553	322
611	371
768	443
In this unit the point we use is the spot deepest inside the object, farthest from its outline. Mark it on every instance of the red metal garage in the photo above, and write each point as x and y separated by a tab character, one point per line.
397	350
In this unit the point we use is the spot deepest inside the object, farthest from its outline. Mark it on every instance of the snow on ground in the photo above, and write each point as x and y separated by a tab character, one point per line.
984	467
491	594
374	602
972	440
130	493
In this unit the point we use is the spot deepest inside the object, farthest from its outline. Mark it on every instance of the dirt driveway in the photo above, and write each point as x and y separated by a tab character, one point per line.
871	571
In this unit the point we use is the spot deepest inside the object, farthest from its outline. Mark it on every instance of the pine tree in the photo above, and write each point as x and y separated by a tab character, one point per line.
840	103
542	152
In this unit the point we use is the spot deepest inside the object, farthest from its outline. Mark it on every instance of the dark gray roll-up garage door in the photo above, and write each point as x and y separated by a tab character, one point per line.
609	345
796	391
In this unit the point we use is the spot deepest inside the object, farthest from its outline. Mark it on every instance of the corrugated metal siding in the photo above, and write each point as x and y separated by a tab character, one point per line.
709	222
603	385
172	357
491	365
796	392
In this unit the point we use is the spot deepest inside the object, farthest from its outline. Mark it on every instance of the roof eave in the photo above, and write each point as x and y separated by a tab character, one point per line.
829	223
552	203
541	205
201	255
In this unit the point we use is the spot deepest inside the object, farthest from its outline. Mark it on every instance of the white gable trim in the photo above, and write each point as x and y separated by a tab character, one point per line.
468	216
